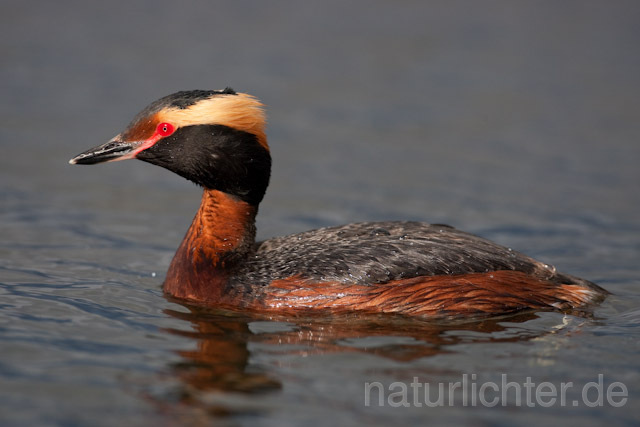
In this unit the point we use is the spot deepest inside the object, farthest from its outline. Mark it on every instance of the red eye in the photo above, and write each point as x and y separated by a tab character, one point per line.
165	129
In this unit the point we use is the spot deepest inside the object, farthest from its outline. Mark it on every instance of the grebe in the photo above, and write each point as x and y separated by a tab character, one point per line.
216	138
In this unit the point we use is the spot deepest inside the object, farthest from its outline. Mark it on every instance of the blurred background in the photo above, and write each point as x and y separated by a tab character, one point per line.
519	121
433	110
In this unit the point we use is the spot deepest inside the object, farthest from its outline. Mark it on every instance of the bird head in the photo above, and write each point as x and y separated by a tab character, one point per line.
215	138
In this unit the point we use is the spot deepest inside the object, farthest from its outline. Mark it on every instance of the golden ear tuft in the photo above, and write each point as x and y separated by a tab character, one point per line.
241	111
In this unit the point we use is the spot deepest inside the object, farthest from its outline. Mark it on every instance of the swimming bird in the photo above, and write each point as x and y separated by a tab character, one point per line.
216	138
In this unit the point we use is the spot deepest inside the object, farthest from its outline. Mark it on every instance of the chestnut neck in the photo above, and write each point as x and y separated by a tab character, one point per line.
220	237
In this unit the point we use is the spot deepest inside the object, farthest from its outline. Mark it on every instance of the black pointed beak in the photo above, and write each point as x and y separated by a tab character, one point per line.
111	151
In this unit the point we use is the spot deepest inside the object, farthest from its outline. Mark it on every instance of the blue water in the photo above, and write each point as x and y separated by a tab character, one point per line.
519	122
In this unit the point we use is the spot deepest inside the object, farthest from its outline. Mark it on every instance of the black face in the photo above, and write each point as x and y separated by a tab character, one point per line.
215	157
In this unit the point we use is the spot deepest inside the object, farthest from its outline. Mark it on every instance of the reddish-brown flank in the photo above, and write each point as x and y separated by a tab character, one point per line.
466	294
